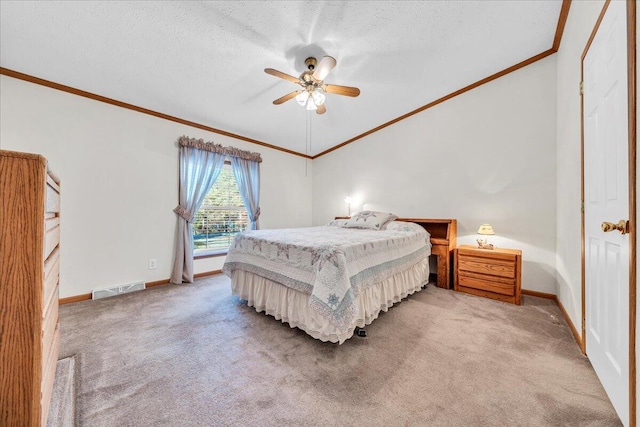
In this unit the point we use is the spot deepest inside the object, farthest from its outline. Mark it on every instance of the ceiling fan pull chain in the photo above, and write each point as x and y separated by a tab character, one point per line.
310	134
307	136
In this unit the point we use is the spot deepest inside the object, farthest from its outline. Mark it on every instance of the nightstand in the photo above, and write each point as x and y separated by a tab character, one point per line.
491	273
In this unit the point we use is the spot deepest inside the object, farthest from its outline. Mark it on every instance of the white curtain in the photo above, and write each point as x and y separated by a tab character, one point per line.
247	173
198	171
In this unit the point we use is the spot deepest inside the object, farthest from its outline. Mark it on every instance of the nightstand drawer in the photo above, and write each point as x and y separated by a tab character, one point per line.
486	285
493	267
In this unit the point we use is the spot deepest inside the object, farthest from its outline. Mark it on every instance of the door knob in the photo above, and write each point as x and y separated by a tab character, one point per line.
622	226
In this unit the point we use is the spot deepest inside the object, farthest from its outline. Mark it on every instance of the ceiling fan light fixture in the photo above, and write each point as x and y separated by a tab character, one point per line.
311	105
302	98
318	97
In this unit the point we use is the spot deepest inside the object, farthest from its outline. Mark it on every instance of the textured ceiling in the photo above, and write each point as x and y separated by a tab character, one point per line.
204	61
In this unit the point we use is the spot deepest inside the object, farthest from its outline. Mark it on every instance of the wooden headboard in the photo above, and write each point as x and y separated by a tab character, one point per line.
444	234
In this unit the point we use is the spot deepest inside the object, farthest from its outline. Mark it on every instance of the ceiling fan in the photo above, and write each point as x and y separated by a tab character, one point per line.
313	87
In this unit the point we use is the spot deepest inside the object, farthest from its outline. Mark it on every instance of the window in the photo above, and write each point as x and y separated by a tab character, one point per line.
221	216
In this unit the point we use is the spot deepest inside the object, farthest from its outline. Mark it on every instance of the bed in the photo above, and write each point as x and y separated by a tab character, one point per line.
329	280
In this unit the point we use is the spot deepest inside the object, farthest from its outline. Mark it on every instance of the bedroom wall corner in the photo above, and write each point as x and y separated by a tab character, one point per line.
580	22
119	172
488	155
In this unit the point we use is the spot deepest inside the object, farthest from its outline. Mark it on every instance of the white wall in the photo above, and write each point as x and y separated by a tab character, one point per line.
119	173
488	155
580	23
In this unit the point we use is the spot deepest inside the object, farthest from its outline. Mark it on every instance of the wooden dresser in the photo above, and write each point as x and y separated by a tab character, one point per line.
491	273
29	271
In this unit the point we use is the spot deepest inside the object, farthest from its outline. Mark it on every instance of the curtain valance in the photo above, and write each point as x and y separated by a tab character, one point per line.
185	141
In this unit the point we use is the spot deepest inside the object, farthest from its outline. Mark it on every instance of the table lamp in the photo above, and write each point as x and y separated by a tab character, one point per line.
485	230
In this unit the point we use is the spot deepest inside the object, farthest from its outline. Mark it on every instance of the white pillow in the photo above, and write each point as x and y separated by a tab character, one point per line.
404	226
370	220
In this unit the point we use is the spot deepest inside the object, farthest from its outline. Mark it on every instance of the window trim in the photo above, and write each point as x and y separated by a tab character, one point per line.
213	253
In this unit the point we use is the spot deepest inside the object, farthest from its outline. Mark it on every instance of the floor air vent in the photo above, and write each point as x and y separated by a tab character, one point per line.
118	290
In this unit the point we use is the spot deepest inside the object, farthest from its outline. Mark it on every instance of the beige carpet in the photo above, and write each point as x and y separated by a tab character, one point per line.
194	355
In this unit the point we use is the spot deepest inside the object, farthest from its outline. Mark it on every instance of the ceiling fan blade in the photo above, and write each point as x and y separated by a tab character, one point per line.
324	67
287	97
321	109
341	90
282	75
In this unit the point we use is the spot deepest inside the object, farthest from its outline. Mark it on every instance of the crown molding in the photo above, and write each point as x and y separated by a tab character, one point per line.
564	13
562	19
53	85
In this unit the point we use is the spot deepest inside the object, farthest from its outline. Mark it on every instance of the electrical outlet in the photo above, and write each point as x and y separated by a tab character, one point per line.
153	263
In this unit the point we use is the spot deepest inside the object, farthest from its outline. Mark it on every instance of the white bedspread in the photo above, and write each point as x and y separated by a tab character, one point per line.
331	264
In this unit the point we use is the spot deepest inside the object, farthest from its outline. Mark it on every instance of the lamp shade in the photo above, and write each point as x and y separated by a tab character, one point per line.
486	229
318	97
311	105
302	97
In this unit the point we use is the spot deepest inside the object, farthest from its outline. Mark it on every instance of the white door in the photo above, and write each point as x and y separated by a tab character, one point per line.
606	195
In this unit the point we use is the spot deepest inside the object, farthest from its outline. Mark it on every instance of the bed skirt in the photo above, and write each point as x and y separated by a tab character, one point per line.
292	306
